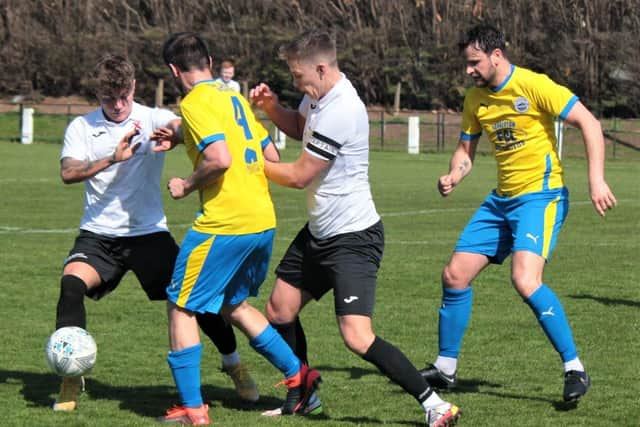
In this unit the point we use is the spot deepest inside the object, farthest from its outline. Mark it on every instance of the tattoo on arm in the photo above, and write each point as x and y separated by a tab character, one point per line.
82	167
463	167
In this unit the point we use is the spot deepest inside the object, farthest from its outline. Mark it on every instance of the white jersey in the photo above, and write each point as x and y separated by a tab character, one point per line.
231	84
125	198
337	130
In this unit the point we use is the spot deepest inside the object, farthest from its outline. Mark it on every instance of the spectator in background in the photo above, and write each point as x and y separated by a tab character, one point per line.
227	71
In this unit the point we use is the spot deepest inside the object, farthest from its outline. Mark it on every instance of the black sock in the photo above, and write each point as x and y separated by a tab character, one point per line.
70	311
219	331
395	365
293	334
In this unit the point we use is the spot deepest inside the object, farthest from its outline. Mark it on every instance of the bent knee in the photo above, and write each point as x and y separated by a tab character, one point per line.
279	314
454	277
357	340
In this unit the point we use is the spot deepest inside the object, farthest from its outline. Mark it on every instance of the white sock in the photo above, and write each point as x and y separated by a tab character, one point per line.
448	365
230	360
432	401
573	365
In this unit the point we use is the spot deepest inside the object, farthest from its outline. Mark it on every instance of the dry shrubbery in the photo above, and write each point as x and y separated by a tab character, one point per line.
590	45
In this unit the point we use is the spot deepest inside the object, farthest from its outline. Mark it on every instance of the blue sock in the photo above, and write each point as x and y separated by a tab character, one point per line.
185	367
271	345
453	319
548	310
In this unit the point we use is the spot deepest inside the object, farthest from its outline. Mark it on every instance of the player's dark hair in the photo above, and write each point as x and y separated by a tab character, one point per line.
113	76
484	37
311	44
186	51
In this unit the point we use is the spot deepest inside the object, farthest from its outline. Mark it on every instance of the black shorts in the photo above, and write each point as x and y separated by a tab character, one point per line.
151	257
347	263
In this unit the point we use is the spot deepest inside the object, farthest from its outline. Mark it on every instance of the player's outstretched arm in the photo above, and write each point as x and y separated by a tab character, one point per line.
601	195
167	137
459	166
74	170
298	174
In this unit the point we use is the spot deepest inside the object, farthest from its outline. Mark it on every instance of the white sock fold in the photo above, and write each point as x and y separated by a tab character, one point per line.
573	365
448	365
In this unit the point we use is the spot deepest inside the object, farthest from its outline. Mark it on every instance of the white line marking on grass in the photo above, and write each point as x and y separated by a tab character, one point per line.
28	180
10	229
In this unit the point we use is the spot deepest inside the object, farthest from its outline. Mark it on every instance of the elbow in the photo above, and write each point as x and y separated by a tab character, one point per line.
68	178
301	183
224	164
220	163
597	126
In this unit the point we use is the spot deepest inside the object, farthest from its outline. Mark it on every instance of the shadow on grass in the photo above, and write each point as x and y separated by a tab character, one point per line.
354	372
608	301
40	389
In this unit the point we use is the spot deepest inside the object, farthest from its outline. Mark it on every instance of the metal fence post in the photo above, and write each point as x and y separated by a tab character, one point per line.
382	130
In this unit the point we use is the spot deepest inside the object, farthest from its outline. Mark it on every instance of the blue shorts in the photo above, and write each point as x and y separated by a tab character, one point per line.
503	225
214	270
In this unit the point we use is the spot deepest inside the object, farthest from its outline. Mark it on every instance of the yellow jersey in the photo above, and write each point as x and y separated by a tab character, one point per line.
518	119
239	202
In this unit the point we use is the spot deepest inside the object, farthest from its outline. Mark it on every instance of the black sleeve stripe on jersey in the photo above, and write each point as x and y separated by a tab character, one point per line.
326	139
322	153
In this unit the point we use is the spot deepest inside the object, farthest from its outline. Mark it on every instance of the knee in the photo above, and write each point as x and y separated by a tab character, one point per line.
357	341
235	313
278	313
452	277
358	345
524	284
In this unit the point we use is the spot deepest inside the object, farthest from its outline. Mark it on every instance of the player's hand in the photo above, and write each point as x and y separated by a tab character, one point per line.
176	188
125	148
446	184
165	139
262	96
602	197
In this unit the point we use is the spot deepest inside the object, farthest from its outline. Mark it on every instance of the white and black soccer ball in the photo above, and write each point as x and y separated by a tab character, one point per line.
71	351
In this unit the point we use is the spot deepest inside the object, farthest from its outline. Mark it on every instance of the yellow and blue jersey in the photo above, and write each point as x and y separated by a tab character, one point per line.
518	119
239	202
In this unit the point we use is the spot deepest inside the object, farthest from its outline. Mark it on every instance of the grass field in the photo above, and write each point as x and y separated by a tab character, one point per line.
510	375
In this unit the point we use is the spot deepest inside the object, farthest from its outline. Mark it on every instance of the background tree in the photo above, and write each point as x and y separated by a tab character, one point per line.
592	46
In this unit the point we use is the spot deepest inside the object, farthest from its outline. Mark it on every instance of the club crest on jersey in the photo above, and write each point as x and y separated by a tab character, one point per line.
522	104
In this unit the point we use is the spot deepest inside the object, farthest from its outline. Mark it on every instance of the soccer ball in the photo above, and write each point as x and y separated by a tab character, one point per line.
71	351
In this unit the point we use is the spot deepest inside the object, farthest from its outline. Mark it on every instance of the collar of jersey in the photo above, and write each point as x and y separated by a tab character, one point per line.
203	81
133	116
333	92
505	81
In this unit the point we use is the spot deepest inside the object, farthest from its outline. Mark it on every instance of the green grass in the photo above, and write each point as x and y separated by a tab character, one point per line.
510	375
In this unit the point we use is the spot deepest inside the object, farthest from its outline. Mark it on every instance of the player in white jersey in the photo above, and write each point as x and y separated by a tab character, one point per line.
341	246
123	226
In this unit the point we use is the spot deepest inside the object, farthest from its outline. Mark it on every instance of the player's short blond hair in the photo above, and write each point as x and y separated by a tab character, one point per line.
113	76
311	45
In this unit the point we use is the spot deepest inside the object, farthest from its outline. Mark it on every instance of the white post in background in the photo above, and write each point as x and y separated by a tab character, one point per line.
559	128
281	140
414	135
26	133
